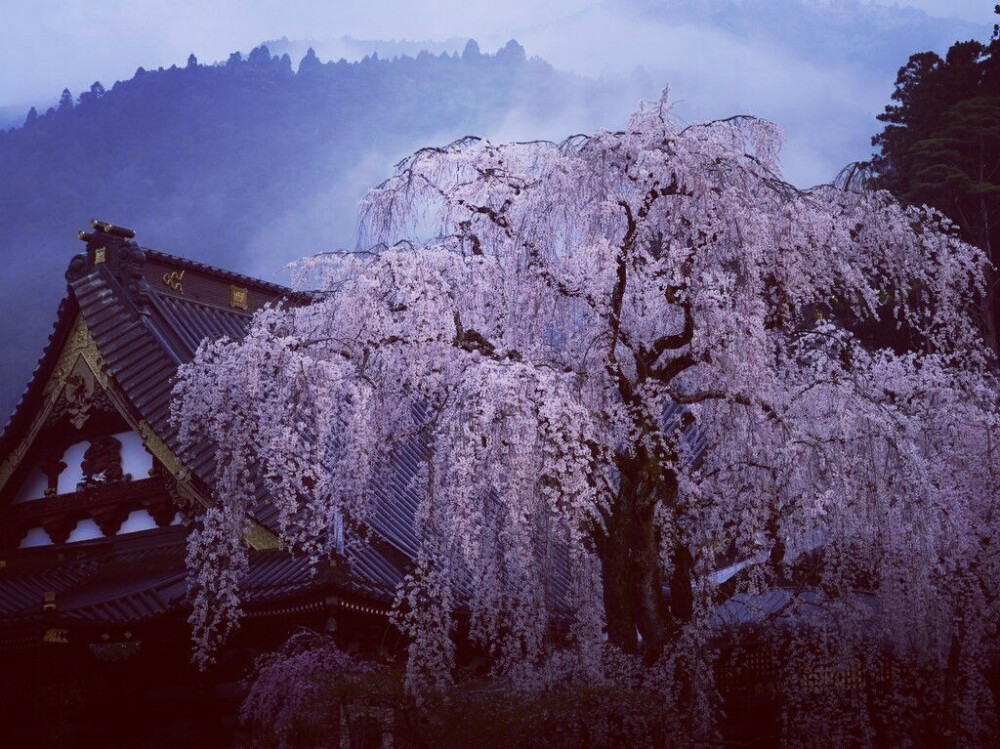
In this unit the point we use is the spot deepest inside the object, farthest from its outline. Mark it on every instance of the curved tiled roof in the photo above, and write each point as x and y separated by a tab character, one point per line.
129	580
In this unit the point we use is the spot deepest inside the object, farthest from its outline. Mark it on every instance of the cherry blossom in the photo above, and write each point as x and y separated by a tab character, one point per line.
534	315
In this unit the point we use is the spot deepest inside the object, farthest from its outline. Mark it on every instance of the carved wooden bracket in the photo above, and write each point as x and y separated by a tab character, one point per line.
161	508
51	467
59	527
106	504
110	519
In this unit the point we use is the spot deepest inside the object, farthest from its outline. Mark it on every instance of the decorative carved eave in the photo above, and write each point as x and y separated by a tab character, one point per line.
79	345
122	583
108	505
80	376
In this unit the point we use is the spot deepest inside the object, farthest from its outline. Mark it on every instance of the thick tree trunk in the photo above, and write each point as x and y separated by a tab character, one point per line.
638	617
614	550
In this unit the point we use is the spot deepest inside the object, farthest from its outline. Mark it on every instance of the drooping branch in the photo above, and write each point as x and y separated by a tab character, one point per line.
672	342
471	340
669	369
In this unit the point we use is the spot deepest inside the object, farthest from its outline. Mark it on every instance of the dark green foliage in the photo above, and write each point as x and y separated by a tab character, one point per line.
941	146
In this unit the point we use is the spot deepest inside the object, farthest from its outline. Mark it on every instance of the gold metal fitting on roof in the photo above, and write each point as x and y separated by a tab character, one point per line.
118	231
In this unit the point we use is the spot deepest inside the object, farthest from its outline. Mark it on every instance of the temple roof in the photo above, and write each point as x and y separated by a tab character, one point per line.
180	302
137	314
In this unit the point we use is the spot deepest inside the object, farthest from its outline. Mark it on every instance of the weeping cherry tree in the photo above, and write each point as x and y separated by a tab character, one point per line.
557	325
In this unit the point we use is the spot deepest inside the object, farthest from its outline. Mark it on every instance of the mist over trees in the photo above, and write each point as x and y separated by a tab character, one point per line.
247	164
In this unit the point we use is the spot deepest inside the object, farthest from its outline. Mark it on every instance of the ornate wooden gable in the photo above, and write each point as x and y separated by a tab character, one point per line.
89	469
82	471
87	453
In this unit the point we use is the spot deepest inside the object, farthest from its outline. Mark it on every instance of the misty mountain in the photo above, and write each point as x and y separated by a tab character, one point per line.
250	163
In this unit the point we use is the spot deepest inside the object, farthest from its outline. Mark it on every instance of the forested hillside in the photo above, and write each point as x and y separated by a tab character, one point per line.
247	164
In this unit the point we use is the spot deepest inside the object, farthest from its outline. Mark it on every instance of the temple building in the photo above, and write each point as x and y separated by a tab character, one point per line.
95	507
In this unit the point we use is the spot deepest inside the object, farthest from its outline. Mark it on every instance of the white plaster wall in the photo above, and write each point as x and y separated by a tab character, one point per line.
73	474
136	461
137	520
85	530
36	537
135	458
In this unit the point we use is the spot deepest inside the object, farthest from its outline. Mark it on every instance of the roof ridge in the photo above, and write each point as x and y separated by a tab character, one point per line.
229	275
